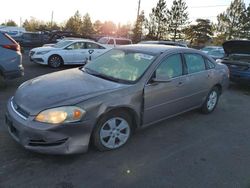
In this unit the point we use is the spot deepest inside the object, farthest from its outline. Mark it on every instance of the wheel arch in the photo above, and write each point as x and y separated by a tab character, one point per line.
56	54
219	86
134	116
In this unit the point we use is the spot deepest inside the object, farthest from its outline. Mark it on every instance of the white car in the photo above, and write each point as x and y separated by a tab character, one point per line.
111	42
67	52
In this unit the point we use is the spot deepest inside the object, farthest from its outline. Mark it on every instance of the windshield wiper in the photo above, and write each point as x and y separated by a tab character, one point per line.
100	75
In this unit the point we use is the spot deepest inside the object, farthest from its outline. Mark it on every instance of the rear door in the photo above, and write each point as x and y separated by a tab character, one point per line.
198	78
75	53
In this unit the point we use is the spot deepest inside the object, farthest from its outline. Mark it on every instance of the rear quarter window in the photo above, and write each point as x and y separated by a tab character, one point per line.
210	65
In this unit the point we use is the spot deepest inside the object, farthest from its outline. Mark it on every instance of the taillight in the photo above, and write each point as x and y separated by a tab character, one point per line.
14	47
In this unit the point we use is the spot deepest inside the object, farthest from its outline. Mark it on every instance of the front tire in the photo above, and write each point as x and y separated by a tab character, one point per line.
112	131
55	61
211	101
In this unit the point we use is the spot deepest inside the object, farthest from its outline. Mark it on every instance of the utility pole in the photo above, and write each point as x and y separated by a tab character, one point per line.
52	15
138	10
21	22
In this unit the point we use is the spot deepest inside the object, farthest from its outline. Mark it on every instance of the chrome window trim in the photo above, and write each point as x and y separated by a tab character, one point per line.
13	108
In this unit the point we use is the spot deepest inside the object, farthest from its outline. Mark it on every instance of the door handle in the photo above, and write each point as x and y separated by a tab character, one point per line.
180	83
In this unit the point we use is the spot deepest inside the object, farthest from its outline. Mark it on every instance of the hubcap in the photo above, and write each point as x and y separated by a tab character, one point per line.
55	61
212	100
114	132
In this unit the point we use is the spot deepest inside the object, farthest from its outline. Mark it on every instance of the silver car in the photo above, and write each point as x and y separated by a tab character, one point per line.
10	58
105	101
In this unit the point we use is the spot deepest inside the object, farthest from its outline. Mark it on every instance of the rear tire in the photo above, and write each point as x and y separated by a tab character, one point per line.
55	61
211	101
112	131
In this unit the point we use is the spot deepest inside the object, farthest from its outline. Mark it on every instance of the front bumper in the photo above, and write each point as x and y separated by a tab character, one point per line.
44	138
38	59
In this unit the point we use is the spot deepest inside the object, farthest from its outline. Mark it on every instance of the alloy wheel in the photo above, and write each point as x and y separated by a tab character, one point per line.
114	132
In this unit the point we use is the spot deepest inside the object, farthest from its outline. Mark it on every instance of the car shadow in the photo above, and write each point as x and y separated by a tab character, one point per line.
244	88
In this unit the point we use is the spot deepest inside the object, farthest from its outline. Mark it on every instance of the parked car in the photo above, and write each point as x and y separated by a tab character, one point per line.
12	31
32	39
10	58
112	42
106	100
67	52
61	40
216	54
207	49
237	58
170	43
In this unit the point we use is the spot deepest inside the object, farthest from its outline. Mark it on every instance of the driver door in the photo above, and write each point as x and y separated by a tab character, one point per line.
165	96
75	53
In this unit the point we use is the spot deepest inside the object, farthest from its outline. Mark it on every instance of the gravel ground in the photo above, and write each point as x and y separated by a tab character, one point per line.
191	150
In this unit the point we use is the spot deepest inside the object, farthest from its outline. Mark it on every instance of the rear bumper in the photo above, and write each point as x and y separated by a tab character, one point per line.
14	74
44	138
240	76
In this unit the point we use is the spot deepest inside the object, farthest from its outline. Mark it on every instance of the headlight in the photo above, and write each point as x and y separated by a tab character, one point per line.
59	115
42	53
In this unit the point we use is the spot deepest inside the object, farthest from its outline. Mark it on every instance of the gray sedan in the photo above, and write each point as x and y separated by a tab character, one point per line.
105	101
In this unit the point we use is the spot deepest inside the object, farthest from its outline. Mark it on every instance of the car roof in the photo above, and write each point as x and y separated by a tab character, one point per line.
78	40
119	38
150	48
73	38
165	42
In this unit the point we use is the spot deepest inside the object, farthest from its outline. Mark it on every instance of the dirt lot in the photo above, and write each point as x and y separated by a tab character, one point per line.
192	150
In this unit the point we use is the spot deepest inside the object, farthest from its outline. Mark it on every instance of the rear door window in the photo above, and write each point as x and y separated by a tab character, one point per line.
90	45
195	63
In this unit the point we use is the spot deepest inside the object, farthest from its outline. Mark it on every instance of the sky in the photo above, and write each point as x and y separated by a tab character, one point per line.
118	11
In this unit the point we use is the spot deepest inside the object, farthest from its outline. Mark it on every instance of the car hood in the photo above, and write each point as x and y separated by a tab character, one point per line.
67	87
42	49
237	47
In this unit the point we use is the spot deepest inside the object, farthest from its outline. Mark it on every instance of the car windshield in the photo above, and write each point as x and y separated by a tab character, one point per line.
62	44
207	49
219	53
103	40
120	65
